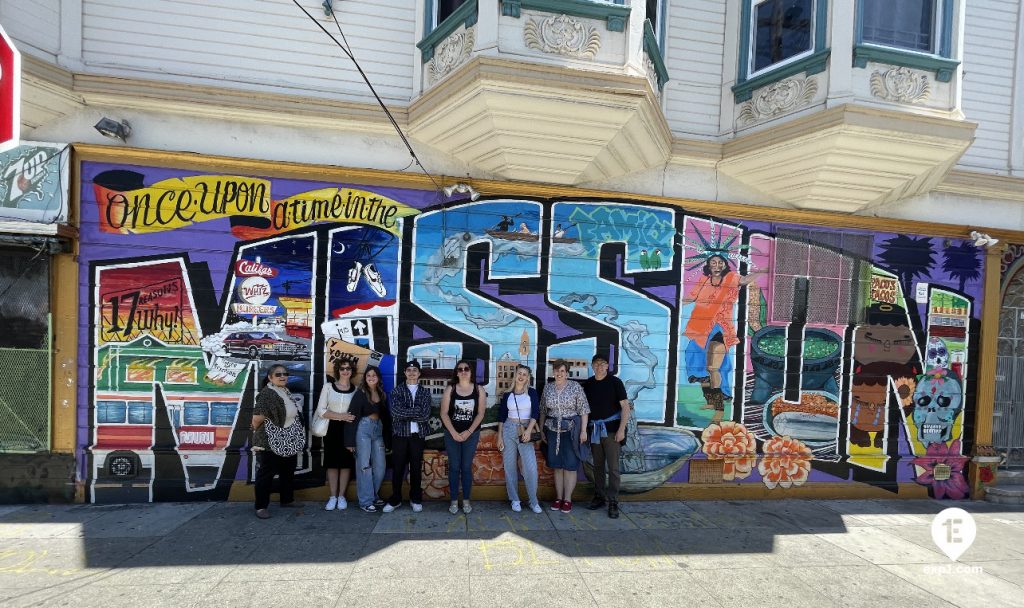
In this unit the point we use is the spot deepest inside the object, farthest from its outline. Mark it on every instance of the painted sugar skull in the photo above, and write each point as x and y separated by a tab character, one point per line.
937	402
938	355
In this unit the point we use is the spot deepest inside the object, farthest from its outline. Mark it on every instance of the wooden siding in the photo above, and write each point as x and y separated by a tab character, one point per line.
990	41
695	38
35	23
255	44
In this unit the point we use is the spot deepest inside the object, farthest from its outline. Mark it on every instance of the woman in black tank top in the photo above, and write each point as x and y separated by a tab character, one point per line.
462	413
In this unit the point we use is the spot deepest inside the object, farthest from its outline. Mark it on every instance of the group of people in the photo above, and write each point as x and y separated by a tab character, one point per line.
567	417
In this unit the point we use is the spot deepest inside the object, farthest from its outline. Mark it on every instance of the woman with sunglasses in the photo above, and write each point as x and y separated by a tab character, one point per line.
366	435
335	399
274	403
462	413
518	412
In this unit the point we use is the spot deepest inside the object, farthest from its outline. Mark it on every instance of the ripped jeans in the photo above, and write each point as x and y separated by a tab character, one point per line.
369	460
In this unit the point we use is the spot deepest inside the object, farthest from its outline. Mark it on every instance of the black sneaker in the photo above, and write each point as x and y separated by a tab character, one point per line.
613	509
596	503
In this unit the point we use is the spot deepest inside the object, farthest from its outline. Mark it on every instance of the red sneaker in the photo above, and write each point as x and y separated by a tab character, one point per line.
556	506
566	506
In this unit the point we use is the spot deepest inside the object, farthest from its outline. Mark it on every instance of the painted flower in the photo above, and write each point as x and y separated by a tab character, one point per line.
943	469
733	444
786	463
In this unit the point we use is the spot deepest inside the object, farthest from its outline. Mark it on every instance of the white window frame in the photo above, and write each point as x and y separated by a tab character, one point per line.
752	41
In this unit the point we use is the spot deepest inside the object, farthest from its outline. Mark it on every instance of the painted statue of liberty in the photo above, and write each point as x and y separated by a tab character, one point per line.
711	330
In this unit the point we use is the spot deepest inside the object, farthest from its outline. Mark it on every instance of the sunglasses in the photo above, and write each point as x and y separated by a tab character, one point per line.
344	369
280	374
462	369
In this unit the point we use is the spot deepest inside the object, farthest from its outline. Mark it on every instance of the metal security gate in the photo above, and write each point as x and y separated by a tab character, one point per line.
1008	419
24	350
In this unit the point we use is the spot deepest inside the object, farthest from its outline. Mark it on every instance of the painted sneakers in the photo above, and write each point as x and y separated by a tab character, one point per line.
372	275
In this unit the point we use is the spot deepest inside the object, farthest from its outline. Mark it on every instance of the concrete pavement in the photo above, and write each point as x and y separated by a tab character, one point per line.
702	553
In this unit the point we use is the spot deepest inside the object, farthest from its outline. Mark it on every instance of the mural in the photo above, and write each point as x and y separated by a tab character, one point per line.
752	352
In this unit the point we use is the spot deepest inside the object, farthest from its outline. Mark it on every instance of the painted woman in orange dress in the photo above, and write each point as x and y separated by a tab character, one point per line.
711	331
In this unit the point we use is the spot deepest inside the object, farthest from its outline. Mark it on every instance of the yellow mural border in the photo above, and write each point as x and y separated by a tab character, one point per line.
65	307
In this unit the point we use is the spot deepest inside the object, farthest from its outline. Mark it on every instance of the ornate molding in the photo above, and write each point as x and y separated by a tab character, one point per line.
452	52
778	98
651	71
900	84
563	35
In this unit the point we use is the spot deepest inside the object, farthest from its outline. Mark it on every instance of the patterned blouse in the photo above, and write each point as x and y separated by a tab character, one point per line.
565	403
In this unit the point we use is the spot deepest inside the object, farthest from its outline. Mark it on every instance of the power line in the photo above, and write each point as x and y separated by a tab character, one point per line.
348	53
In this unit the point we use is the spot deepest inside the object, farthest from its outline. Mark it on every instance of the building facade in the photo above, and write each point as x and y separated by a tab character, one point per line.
783	221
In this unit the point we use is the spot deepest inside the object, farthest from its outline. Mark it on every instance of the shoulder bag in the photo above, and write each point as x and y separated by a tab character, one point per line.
285	441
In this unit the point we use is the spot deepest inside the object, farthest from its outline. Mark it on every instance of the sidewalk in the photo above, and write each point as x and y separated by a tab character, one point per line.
783	553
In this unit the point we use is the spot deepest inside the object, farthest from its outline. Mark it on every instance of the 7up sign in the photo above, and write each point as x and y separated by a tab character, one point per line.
10	93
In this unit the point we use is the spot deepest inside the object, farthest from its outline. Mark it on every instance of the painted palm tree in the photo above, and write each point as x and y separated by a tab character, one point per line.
908	257
961	262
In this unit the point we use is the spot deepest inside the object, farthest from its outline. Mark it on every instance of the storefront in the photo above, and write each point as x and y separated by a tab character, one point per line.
766	353
34	250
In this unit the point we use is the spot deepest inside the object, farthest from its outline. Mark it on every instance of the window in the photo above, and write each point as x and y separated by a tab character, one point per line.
782	30
780	38
911	33
197	413
654	13
907	24
444	9
111	412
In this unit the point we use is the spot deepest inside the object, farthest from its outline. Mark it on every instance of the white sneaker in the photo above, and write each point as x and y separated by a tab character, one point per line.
374	279
416	507
517	506
353	276
342	503
332	503
536	508
466	507
454	507
388	507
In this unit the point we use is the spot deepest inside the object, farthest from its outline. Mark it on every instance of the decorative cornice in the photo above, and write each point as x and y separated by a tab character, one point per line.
900	84
778	98
562	35
971	183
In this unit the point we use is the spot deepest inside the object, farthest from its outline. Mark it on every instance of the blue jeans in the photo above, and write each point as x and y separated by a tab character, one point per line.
510	434
460	464
369	460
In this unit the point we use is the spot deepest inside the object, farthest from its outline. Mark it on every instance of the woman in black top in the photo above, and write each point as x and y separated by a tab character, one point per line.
366	436
462	413
273	403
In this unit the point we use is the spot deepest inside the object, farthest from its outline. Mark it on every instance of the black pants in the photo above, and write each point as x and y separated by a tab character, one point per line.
606	454
269	464
406	451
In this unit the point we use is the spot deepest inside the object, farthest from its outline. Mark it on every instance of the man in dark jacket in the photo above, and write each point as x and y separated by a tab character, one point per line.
410	411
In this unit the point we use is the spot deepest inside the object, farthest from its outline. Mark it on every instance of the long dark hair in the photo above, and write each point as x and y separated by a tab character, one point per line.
270	371
363	386
707	265
455	373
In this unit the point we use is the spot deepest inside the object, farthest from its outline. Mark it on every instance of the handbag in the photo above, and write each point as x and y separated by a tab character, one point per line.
285	441
319	425
534	437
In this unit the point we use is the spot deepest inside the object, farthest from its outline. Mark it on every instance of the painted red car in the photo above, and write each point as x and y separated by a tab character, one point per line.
263	345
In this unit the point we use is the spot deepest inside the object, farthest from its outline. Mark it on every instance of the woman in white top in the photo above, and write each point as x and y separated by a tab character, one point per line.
518	412
335	398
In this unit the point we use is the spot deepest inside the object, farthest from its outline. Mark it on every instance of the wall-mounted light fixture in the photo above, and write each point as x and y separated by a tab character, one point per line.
113	129
982	240
462	189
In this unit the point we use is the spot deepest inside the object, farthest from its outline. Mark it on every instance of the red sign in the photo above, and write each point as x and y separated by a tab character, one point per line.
246	268
10	93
